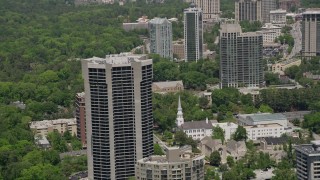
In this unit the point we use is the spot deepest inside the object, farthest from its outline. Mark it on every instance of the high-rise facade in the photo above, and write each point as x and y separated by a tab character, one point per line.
118	99
250	10
308	161
311	33
267	6
241	63
81	117
193	34
160	30
210	8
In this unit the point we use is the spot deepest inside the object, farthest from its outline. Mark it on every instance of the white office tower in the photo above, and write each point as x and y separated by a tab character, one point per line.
160	30
119	119
193	33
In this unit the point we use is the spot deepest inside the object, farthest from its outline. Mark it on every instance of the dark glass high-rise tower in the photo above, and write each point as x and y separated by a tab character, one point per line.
118	92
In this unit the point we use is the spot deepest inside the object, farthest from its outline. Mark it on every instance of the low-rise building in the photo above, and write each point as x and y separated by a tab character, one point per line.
42	128
142	23
262	118
308	161
208	145
42	142
264	130
174	165
278	17
197	129
236	149
167	86
228	128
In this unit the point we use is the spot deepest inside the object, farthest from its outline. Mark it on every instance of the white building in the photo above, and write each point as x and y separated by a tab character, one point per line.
228	128
197	129
262	118
278	17
179	119
269	36
264	130
44	127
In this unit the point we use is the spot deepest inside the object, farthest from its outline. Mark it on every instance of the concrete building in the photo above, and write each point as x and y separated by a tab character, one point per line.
311	32
271	27
308	161
264	130
250	10
81	118
193	34
289	4
142	23
118	99
266	7
241	62
278	17
174	165
262	118
210	8
178	49
228	128
167	86
42	128
160	30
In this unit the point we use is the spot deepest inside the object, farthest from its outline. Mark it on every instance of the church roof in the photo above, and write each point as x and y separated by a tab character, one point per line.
196	125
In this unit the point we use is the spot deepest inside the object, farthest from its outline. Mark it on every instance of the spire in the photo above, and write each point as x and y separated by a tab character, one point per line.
179	120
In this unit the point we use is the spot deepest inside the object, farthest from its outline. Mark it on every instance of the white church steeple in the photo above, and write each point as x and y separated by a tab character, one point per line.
179	120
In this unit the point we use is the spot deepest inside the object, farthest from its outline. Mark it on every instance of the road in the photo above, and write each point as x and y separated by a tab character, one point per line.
297	35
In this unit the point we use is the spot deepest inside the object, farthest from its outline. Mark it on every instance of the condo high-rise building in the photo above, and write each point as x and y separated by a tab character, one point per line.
311	33
308	161
81	117
193	33
210	8
160	30
241	63
118	99
250	10
267	6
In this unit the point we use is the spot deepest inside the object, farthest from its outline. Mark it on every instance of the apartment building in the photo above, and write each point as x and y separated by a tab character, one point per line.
250	10
210	8
174	165
267	6
278	17
311	32
44	127
193	33
241	63
118	100
160	30
81	117
308	161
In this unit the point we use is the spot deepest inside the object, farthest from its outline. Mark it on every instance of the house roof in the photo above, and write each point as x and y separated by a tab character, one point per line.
211	143
233	145
279	140
196	125
168	84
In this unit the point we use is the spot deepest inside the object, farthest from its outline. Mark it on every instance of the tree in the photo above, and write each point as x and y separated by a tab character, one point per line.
157	149
240	134
203	102
230	161
215	158
218	133
296	122
265	108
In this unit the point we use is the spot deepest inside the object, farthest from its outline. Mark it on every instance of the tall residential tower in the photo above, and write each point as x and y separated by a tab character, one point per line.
241	63
118	100
311	33
193	34
210	8
248	10
160	30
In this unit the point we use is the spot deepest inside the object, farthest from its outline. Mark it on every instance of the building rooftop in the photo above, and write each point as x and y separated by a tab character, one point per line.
168	84
278	140
226	124
263	126
270	26
278	11
82	94
234	145
117	59
48	123
312	11
312	149
157	20
196	125
211	143
230	28
264	117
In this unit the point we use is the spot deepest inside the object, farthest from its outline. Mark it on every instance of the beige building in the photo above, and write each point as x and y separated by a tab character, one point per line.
311	32
236	149
175	165
60	125
266	7
210	8
248	10
278	17
178	49
167	86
